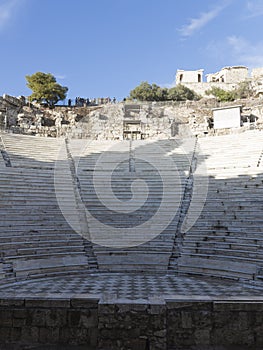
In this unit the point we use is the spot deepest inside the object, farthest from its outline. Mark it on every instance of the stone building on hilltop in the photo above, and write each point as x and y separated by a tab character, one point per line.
229	75
189	76
227	79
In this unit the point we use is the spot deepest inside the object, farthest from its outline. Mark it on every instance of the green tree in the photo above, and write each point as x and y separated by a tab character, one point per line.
45	88
221	95
182	93
159	94
148	92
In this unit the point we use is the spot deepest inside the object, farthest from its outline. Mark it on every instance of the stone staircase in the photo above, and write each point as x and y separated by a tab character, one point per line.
184	208
152	254
226	240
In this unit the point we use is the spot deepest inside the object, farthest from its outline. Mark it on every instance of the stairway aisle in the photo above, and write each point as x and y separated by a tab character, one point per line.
132	191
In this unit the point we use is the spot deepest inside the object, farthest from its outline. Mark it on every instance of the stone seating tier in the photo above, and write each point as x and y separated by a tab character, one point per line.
150	256
226	240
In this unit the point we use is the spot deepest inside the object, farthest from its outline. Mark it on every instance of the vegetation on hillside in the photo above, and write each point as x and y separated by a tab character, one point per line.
45	88
182	93
153	92
244	90
220	94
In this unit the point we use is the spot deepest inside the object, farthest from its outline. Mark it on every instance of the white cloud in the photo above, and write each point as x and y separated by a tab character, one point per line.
245	52
255	8
61	77
238	44
199	22
7	10
235	50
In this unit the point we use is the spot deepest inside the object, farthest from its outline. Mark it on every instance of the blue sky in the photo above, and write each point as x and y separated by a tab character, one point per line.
103	48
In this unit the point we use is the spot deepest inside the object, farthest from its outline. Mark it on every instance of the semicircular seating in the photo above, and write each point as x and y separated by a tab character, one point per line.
37	239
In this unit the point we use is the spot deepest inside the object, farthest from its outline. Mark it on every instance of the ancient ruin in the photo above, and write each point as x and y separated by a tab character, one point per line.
229	75
186	76
132	225
227	79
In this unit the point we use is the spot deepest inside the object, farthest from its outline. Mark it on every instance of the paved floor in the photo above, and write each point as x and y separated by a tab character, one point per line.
134	286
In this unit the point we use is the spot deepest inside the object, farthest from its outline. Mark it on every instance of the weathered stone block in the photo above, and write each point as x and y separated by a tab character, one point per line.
93	336
220	318
173	319
30	334
88	320
258	337
6	318
12	302
258	317
123	308
202	319
20	313
139	307
5	334
106	309
16	334
238	306
226	336
87	301
139	344
49	335
181	337
36	317
19	322
74	317
186	319
64	335
48	302
193	305
157	309
56	318
79	336
160	333
202	337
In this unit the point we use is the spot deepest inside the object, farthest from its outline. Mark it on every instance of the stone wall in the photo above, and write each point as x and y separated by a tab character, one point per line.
111	323
201	88
152	120
227	75
235	74
48	320
136	325
157	121
166	120
212	323
19	117
257	73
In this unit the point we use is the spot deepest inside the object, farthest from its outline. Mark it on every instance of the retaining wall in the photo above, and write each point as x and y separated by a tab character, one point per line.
109	323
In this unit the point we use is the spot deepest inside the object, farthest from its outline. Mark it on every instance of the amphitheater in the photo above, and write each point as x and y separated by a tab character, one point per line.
131	244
